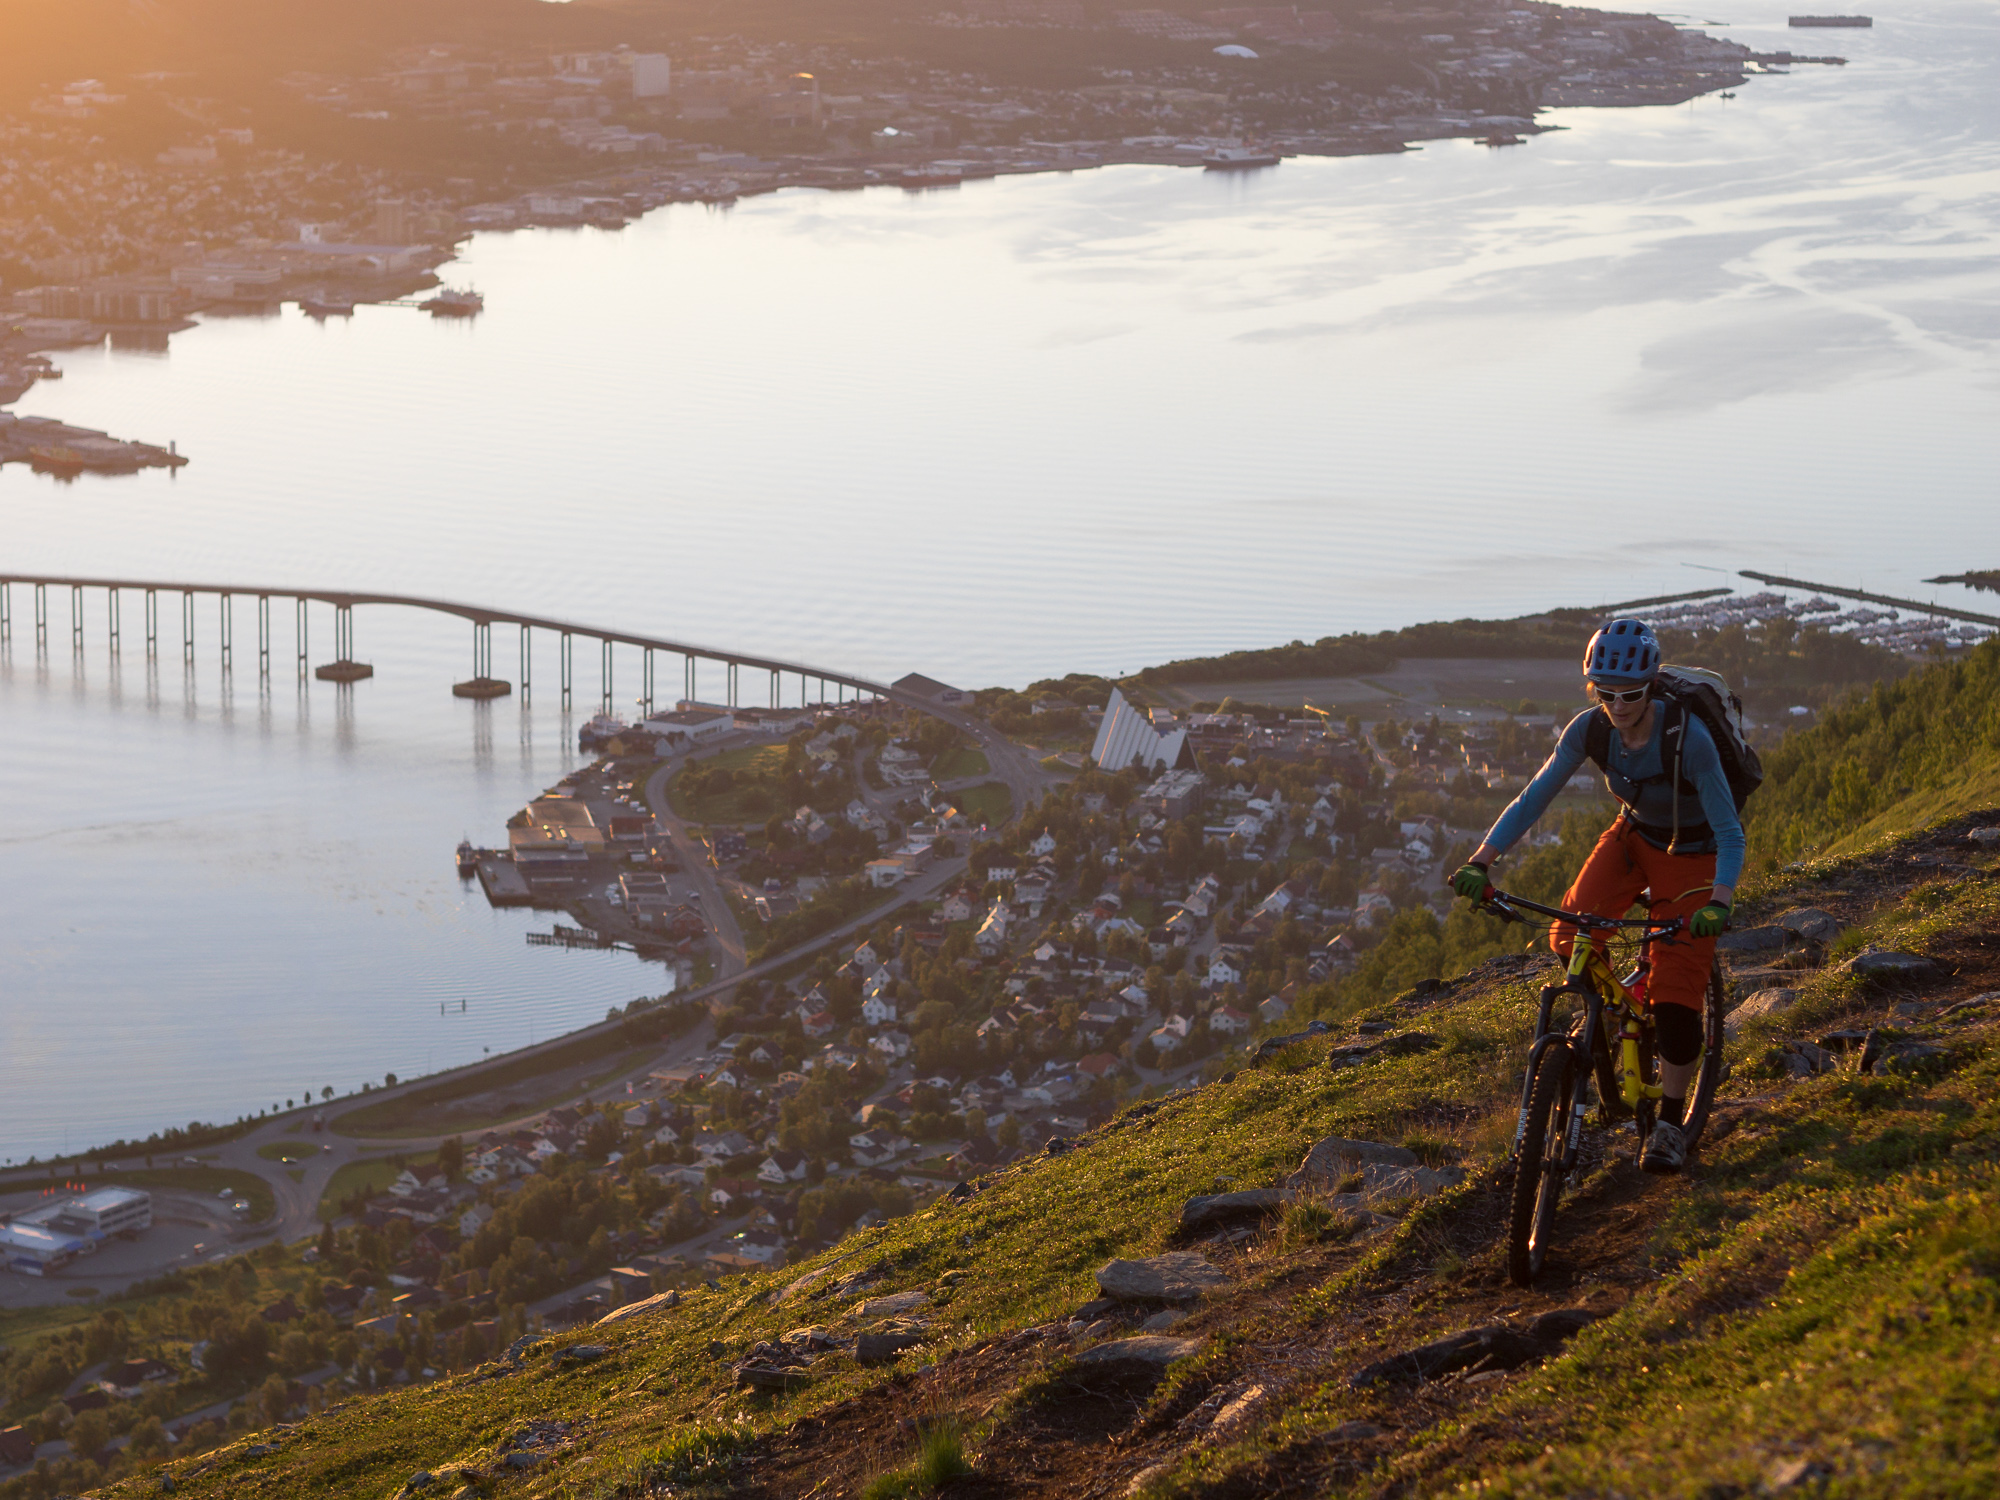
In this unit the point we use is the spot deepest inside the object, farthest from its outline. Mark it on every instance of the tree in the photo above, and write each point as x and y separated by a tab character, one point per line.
451	1157
89	1433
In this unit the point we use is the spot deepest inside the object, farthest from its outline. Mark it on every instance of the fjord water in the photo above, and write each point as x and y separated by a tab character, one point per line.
1028	426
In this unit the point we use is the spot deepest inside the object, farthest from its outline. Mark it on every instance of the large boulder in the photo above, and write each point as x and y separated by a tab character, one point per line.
644	1308
1384	1172
1751	940
1230	1208
1759	1006
891	1305
1181	1276
1810	924
1495	1346
1155	1349
1879	968
1985	838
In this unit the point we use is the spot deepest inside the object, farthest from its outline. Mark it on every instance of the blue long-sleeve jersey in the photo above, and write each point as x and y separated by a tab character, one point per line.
1630	776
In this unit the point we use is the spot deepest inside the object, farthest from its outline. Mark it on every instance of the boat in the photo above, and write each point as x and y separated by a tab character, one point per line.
468	859
1729	96
451	303
54	458
1500	138
935	175
1236	158
599	731
326	305
1832	21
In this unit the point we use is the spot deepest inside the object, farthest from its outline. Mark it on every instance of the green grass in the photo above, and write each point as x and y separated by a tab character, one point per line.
1827	1284
940	1458
1978	787
738	804
375	1172
427	1111
965	760
208	1182
990	803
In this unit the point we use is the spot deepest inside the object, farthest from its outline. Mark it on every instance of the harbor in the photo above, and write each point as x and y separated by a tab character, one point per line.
51	447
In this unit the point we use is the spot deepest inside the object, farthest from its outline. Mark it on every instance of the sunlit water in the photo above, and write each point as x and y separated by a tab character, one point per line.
1024	427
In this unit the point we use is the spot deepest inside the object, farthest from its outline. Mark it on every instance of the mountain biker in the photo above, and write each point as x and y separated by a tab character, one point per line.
1682	844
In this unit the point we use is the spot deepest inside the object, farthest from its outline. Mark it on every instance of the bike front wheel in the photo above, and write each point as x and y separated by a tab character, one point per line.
1708	1074
1539	1166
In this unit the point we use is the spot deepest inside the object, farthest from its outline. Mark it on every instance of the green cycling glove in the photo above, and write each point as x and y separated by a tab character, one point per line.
1710	920
1470	881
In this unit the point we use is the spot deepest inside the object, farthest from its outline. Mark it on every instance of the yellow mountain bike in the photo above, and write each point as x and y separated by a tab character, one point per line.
1561	1064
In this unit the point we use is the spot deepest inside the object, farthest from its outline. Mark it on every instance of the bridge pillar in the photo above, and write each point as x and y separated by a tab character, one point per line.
566	668
732	685
152	612
687	688
526	658
76	617
299	635
343	632
264	636
6	613
111	617
41	616
187	629
604	674
225	628
482	648
646	686
774	689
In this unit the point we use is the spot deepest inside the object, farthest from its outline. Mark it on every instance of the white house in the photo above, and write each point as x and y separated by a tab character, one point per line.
781	1167
1228	1020
1044	843
1221	970
878	1010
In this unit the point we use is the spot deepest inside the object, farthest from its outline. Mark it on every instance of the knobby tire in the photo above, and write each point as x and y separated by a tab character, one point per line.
1538	1169
1708	1074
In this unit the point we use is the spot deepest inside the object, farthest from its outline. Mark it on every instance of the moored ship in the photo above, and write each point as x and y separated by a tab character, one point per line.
452	303
1236	158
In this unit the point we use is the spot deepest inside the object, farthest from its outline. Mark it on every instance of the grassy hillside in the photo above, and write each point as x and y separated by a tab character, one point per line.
1897	759
1816	1301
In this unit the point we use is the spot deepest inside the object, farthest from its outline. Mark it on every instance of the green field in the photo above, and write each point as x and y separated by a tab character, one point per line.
965	760
990	803
375	1172
738	804
528	1083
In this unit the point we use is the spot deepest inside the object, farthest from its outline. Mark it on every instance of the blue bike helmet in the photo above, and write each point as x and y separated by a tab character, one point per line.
1624	653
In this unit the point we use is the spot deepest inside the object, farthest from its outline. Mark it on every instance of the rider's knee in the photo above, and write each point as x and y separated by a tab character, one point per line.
1678	1031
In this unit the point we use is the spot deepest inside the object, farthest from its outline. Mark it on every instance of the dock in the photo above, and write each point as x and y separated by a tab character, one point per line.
569	937
502	882
52	447
1971	617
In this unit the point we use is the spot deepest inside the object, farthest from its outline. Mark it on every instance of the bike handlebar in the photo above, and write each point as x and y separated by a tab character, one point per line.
1503	904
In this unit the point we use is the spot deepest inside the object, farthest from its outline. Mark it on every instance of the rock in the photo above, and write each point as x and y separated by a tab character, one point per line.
522	1460
1880	968
1985	838
1792	1474
1225	1208
1235	1415
1354	1432
1757	1007
1976	1002
768	1377
1753	940
1181	1276
421	1480
1335	1158
581	1354
521	1347
1911	1060
1057	1145
1810	924
1147	1475
643	1308
1144	1349
871	1348
1494	1346
803	1285
898	1302
1161	1320
258	1450
167	1485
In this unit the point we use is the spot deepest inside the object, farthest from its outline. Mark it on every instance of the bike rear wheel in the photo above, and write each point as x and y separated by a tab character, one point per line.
1708	1074
1538	1168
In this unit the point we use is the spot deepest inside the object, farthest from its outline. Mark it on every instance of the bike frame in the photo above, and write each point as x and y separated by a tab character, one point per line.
1589	978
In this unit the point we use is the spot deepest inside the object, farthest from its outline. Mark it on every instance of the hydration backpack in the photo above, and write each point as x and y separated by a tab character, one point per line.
1684	692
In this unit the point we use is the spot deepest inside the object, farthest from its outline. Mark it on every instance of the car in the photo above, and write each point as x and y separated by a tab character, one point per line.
227	1193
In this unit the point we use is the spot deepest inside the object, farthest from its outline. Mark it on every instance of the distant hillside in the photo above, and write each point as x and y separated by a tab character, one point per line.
1905	755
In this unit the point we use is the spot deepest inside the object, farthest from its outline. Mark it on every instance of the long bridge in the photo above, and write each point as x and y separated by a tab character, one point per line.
344	668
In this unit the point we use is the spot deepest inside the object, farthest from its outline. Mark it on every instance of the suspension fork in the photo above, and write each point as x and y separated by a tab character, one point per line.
1632	1085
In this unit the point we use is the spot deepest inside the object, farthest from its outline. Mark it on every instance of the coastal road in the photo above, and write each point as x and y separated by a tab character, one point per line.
732	951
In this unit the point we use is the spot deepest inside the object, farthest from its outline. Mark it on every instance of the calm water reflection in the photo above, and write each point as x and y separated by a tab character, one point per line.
1019	428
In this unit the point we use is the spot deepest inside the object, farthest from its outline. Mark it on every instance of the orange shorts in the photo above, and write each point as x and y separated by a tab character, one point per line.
1619	870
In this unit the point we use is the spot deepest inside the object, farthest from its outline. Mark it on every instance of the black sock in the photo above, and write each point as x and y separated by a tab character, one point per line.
1671	1111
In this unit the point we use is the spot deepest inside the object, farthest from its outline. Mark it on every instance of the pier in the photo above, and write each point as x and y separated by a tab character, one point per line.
1971	617
814	683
